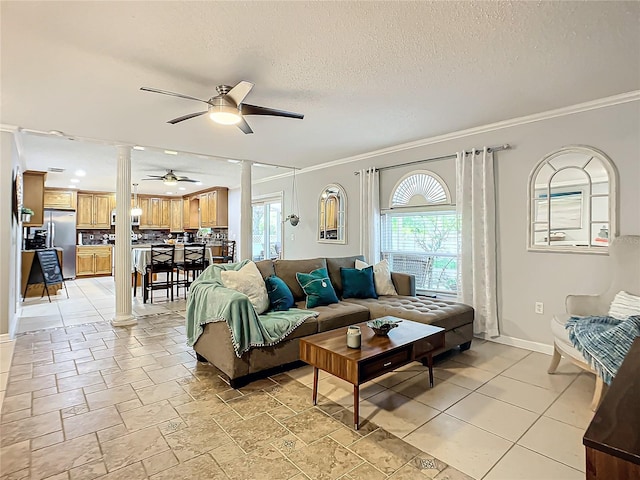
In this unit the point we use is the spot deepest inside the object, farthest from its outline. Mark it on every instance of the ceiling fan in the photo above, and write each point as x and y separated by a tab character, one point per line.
171	178
228	107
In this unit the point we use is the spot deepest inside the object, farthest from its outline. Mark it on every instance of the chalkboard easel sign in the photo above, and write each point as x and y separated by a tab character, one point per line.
46	270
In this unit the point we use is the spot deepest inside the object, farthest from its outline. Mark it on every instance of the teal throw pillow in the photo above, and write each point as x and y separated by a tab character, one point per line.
280	296
358	283
317	287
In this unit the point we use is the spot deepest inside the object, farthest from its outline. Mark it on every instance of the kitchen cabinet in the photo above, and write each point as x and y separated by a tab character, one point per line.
94	210
190	213
93	260
175	220
60	199
156	212
214	208
33	196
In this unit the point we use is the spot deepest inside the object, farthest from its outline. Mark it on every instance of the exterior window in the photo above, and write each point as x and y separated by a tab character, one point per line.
420	233
267	228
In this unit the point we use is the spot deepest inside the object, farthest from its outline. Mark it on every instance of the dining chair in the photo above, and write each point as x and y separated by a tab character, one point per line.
194	263
162	261
227	253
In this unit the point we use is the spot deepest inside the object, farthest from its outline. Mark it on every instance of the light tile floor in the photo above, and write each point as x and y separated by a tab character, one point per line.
493	414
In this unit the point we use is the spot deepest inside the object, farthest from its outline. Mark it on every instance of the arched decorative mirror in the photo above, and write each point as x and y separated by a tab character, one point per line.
332	212
572	201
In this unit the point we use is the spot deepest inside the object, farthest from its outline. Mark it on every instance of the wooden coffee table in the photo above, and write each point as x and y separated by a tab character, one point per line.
378	355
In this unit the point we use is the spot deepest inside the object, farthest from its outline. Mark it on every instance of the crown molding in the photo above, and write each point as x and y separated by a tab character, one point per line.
632	96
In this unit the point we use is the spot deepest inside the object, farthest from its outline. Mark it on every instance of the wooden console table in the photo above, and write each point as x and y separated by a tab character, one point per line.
612	440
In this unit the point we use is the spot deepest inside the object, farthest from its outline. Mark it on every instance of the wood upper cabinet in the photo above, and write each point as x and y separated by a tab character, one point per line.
176	223
33	196
156	212
60	199
94	210
93	260
214	208
190	212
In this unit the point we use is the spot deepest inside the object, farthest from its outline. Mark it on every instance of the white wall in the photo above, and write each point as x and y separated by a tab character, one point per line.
10	236
523	277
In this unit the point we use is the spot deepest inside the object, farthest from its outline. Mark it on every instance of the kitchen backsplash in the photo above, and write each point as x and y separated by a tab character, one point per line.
97	237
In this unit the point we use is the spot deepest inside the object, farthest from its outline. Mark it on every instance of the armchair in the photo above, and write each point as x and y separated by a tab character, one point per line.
624	252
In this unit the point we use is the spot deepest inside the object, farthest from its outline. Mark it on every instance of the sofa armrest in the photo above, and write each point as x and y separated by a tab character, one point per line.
585	305
405	283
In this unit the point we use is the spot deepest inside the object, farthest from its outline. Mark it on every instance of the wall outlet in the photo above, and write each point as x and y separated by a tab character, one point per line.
539	308
90	237
293	236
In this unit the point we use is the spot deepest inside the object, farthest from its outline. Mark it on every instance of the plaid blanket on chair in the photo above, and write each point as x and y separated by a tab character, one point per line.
603	341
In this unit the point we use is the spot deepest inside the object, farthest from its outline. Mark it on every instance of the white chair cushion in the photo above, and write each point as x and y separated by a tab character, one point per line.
561	337
624	305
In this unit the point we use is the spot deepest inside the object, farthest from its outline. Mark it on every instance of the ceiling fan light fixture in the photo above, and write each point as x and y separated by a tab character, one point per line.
224	114
170	181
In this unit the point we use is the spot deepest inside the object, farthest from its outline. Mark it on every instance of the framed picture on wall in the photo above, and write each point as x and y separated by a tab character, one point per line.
17	193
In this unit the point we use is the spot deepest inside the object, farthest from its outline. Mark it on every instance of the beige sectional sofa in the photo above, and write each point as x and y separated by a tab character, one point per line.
214	345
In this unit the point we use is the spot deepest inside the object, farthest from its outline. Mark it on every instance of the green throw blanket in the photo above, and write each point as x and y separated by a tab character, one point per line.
210	301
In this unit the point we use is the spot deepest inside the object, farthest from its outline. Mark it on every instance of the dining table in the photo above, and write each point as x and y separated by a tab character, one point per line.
141	258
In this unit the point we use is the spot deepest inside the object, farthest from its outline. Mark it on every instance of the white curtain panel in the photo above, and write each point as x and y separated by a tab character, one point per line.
476	208
370	215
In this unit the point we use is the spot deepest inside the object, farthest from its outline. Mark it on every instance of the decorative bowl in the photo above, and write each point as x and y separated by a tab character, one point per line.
382	326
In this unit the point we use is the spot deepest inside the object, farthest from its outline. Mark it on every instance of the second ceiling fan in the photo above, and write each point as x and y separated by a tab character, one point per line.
228	107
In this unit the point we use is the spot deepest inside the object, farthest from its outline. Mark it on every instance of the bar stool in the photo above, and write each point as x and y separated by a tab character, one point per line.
162	261
194	262
227	254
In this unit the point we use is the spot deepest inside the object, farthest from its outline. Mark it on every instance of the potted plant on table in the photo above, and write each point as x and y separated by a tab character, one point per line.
26	214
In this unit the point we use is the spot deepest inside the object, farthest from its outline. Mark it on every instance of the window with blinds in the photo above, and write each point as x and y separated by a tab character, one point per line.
421	236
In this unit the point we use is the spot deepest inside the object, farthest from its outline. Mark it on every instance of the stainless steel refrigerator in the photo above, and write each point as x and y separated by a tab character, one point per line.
61	233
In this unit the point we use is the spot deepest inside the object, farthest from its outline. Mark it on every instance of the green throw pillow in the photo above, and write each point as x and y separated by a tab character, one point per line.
358	283
280	296
317	287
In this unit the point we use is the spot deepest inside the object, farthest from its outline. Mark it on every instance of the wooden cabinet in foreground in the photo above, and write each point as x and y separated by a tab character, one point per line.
93	260
60	199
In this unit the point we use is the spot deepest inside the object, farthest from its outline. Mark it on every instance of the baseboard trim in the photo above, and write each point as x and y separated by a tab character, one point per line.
5	337
526	344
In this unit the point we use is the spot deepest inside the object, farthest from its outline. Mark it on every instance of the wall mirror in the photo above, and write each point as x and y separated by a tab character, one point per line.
332	213
572	201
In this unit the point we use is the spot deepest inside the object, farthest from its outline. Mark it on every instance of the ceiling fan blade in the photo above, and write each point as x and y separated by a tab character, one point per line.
144	179
244	126
174	94
240	91
154	176
247	109
185	179
185	117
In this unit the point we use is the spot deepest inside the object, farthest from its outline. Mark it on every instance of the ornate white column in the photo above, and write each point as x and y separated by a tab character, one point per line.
246	216
122	249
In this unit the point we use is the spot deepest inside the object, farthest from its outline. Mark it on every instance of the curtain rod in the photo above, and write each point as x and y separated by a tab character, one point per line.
495	148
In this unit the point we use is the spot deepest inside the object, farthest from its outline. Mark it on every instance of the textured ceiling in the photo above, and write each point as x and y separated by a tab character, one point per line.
367	75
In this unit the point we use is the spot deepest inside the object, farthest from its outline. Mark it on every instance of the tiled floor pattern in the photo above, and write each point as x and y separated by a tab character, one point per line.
494	412
94	401
90	300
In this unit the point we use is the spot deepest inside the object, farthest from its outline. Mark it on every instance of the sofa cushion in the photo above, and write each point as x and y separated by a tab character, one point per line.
358	283
434	311
317	287
337	315
381	277
287	269
334	265
248	280
280	297
266	268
